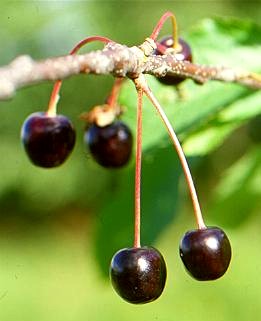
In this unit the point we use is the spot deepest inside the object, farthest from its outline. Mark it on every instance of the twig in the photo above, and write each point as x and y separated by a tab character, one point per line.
117	60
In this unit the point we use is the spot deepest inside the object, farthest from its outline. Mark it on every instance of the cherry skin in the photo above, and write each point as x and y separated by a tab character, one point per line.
48	140
183	53
206	253
111	145
138	275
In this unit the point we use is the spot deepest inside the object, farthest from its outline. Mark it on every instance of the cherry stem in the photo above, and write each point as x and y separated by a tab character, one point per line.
88	40
52	106
161	48
182	158
138	169
160	24
114	94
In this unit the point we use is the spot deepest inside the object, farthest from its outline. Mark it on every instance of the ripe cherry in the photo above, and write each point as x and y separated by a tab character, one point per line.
182	53
48	140
206	253
138	274
110	145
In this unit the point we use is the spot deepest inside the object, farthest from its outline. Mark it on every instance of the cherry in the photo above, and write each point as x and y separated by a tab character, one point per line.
48	140
183	53
110	145
206	253
138	274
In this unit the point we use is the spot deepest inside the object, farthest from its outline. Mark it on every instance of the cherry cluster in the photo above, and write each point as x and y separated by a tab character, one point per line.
138	273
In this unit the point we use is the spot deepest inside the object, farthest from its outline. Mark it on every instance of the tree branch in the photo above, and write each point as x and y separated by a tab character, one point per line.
117	60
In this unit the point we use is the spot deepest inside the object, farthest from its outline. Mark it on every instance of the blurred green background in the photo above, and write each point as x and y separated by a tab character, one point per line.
60	227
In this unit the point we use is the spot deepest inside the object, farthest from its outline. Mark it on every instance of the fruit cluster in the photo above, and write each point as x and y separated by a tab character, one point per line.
138	274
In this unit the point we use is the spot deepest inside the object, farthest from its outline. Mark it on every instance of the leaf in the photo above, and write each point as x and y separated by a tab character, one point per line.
238	193
207	139
211	135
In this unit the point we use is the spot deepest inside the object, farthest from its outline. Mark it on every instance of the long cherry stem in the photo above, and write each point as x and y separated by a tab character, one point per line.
138	170
88	40
114	94
54	98
57	85
183	161
160	24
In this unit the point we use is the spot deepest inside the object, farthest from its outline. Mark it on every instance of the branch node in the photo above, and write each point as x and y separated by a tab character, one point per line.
148	46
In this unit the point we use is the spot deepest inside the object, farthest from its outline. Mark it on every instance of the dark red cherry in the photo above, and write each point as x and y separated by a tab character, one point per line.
138	275
48	140
206	253
111	145
184	53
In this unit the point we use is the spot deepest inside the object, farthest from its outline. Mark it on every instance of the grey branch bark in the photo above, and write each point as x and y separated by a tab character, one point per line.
117	60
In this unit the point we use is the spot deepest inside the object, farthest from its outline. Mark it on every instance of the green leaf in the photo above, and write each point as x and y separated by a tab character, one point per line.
211	135
207	139
238	193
